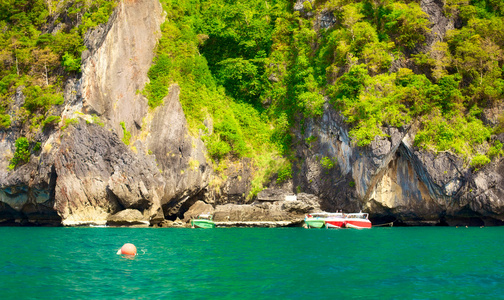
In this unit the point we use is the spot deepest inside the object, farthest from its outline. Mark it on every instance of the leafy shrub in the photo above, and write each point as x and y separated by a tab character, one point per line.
284	173
242	78
407	23
22	153
70	63
216	148
496	150
327	163
307	5
126	134
68	122
5	121
51	121
460	133
479	161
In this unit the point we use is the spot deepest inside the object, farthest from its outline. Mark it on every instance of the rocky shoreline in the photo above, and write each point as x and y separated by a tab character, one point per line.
86	174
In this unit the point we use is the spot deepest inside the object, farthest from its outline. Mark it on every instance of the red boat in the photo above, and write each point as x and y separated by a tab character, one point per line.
357	220
335	220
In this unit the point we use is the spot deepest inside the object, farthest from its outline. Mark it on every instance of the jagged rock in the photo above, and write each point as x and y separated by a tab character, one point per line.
393	180
89	186
127	217
115	68
250	212
272	195
169	223
440	24
291	212
197	209
120	55
305	203
326	19
180	156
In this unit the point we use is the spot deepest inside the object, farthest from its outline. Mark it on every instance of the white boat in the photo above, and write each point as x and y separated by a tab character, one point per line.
357	220
335	220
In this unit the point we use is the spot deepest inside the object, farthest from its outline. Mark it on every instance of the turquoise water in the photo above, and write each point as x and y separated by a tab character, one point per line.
252	263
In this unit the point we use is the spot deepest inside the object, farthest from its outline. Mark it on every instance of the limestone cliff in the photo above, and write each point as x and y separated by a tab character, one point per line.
85	174
395	181
114	160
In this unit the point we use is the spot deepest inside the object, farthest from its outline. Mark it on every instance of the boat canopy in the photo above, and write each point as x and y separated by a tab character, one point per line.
205	216
326	215
358	216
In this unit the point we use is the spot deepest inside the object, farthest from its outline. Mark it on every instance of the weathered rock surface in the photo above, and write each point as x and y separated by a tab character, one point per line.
86	174
440	24
98	175
115	66
395	181
267	214
128	217
180	156
197	209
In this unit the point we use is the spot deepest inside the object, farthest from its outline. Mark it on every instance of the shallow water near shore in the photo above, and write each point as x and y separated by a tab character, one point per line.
252	263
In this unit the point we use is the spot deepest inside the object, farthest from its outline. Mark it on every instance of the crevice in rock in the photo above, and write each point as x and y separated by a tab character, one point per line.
114	201
181	206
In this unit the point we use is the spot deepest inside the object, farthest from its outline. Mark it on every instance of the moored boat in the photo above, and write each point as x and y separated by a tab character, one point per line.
203	221
357	220
315	220
335	220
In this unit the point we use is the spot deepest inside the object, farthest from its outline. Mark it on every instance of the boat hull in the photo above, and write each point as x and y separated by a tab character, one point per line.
335	223
358	224
202	224
315	223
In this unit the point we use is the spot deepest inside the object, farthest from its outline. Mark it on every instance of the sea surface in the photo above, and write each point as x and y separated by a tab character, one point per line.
252	263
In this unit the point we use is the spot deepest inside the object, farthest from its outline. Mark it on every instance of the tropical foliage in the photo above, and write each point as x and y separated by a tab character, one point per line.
282	66
251	71
41	42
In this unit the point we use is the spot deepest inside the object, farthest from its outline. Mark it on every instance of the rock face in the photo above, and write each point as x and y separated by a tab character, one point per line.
98	175
197	209
267	213
115	66
440	23
180	157
142	165
85	174
395	181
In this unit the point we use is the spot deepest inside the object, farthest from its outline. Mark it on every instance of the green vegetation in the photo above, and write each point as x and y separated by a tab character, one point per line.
284	173
22	153
327	163
51	121
126	134
38	62
68	122
96	120
479	161
257	69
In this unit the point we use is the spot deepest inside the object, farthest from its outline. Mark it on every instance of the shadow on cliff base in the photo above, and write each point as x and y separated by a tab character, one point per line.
30	215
